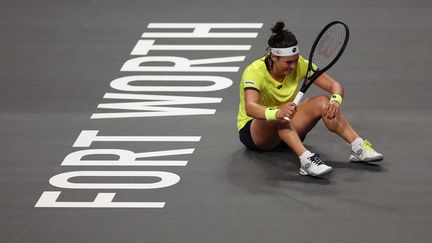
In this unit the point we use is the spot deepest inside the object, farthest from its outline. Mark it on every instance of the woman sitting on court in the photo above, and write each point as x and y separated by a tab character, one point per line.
267	89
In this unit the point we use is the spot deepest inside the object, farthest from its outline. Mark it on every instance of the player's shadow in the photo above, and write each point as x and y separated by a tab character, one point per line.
261	169
359	166
269	167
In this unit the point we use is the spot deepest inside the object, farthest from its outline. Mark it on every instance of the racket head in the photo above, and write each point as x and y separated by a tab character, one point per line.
328	46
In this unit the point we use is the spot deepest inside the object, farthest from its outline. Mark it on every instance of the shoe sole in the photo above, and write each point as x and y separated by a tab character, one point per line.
373	159
304	173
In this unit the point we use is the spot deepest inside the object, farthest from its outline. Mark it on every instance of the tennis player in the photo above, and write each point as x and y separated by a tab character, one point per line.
267	89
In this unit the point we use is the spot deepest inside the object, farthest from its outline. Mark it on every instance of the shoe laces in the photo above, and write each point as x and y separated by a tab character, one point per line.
368	146
315	159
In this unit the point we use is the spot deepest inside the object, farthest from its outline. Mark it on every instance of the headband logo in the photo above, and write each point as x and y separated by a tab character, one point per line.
294	50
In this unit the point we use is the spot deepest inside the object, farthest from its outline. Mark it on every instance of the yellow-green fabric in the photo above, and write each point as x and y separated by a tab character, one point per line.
272	92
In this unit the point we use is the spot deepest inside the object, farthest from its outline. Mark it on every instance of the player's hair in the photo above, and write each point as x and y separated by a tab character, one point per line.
281	38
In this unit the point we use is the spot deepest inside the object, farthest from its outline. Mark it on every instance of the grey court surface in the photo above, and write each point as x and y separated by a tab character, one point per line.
58	58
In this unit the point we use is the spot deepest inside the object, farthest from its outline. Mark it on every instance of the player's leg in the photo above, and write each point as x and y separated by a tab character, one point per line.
268	134
309	112
361	150
310	163
264	134
313	109
307	116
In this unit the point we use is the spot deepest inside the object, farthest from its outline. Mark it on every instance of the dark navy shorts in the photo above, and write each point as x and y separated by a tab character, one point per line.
246	138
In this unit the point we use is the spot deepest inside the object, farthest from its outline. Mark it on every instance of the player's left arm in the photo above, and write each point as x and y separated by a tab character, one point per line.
325	82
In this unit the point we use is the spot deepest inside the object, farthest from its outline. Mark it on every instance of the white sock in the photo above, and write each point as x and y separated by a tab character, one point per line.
306	155
356	144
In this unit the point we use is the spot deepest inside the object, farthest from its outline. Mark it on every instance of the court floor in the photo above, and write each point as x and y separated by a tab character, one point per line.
104	140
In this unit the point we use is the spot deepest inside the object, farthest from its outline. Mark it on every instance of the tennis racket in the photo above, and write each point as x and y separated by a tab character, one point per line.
326	50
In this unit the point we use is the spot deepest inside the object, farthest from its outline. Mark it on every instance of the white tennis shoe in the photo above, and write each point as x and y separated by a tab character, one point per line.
366	153
314	166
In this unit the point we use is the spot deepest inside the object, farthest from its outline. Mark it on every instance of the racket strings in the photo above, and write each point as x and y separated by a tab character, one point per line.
329	45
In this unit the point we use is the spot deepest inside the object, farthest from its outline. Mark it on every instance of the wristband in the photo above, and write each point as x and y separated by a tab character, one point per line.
270	113
336	97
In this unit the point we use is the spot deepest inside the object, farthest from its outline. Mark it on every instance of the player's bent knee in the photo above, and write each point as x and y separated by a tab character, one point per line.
322	103
323	99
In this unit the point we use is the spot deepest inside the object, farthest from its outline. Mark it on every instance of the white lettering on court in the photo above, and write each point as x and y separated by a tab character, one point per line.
136	102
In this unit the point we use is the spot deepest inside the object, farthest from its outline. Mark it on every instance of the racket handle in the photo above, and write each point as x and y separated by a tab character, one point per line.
297	100
298	97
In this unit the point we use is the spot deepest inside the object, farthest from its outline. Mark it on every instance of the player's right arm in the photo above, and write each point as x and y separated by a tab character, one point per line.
253	108
256	110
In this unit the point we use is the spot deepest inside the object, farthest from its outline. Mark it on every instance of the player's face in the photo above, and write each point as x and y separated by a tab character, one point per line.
286	65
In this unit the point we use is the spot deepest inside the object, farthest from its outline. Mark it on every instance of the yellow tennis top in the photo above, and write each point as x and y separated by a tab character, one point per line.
272	92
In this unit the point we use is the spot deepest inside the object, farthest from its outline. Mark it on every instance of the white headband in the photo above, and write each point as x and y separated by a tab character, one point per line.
283	52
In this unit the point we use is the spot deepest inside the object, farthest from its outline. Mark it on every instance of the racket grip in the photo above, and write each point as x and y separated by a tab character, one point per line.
297	100
298	97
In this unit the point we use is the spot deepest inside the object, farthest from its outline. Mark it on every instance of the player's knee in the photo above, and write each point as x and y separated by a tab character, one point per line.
322	102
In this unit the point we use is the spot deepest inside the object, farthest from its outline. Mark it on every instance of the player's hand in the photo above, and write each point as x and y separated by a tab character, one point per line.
333	110
287	110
